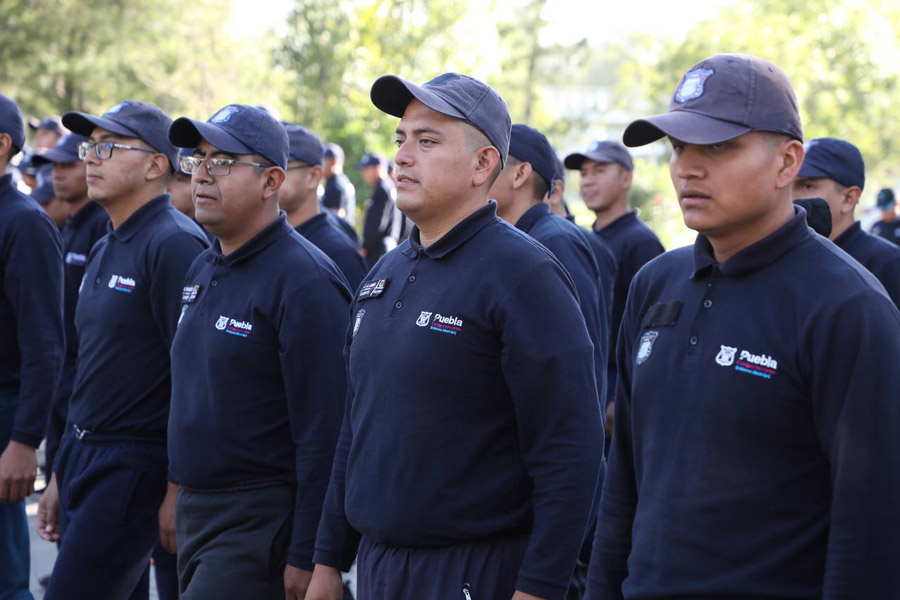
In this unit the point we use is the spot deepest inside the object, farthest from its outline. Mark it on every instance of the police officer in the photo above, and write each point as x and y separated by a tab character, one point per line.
339	195
45	195
111	467
468	462
85	224
606	175
889	225
379	219
47	132
755	452
31	349
270	308
298	198
834	171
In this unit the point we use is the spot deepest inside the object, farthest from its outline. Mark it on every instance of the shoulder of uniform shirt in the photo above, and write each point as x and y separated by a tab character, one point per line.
303	251
513	252
828	263
27	218
677	263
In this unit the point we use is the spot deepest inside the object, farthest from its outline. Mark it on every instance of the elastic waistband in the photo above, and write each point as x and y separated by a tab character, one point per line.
91	437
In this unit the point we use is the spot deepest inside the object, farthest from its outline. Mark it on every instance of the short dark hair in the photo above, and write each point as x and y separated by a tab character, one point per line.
539	185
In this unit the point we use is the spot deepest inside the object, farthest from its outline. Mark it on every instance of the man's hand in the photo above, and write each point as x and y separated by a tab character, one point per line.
167	520
18	470
48	512
296	582
523	596
326	584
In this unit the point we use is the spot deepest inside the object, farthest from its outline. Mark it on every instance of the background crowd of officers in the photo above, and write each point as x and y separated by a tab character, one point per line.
230	379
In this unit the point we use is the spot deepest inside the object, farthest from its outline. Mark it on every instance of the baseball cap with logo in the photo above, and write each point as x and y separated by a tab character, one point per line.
11	122
451	94
885	198
721	98
305	145
50	123
835	159
370	159
602	151
65	151
139	120
531	146
236	129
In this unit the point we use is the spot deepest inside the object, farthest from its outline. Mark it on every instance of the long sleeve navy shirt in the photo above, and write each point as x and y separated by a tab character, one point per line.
633	244
258	378
126	314
877	255
568	244
755	452
326	235
606	260
378	221
32	340
473	410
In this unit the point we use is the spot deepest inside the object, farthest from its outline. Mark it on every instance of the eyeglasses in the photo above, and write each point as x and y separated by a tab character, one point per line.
103	150
215	166
298	167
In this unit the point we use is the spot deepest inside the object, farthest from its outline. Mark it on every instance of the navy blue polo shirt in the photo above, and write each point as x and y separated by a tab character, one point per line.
126	315
633	244
325	233
258	378
606	260
889	231
378	221
568	244
32	342
880	257
473	409
755	452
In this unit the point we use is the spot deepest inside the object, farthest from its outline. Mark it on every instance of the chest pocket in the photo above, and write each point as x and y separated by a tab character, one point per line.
662	314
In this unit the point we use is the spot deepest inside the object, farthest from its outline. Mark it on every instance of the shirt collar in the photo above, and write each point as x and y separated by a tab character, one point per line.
532	216
755	256
454	238
850	234
268	235
139	218
620	223
76	219
310	225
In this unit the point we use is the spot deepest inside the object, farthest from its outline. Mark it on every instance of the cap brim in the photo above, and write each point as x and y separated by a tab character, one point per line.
574	161
84	124
809	171
684	126
187	133
53	156
391	94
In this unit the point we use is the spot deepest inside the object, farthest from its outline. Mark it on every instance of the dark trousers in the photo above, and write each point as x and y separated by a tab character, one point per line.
15	550
233	545
484	570
110	491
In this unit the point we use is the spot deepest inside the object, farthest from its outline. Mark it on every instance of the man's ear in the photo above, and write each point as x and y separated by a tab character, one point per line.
158	167
274	177
521	175
849	199
791	154
488	162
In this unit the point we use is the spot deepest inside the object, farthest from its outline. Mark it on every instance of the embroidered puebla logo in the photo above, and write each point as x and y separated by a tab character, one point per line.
759	365
224	115
437	322
117	108
74	258
359	317
233	326
692	85
645	347
121	284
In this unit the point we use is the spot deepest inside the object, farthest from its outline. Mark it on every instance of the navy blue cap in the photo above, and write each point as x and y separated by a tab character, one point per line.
886	198
721	98
11	121
65	151
531	146
305	145
835	159
50	123
26	165
236	129
139	120
602	151
454	95
44	190
334	151
370	159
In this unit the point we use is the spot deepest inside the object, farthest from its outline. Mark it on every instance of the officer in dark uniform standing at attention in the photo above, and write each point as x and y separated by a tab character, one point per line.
606	174
251	444
470	451
379	219
834	171
32	346
298	198
755	452
889	225
339	195
111	467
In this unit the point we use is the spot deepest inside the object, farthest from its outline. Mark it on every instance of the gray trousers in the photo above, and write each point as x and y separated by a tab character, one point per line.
233	545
